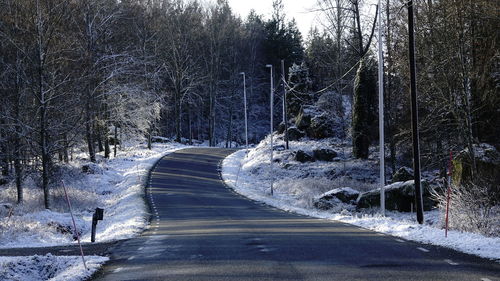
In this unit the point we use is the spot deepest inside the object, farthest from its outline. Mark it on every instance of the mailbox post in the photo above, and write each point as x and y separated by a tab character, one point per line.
98	216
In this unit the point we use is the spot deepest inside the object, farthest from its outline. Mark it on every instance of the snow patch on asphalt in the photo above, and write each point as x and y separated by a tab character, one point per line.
246	176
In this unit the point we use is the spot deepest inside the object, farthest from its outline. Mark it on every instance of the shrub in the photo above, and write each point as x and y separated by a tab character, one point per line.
471	209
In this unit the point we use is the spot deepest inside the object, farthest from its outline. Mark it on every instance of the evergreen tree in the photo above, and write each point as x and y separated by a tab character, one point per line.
365	90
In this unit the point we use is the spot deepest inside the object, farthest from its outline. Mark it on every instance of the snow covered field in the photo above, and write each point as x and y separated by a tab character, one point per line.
117	185
296	184
48	267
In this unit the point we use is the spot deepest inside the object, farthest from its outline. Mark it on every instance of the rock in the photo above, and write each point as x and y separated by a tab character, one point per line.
3	181
158	139
92	168
303	157
303	120
278	147
323	204
403	174
399	196
281	128
334	197
65	229
113	141
5	209
321	127
324	154
487	163
295	134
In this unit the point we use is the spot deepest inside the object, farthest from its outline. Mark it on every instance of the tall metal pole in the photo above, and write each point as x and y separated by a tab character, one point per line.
414	115
285	116
245	105
270	66
381	111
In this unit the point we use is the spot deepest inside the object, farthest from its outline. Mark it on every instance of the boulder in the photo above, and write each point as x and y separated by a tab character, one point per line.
5	209
303	120
92	168
3	181
320	127
403	174
278	147
281	128
113	141
334	197
487	164
295	134
324	154
399	196
303	157
158	139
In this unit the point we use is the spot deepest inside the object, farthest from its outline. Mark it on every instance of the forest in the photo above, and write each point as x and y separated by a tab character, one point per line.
90	74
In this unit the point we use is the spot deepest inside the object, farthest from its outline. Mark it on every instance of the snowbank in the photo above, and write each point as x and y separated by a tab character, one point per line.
48	267
249	176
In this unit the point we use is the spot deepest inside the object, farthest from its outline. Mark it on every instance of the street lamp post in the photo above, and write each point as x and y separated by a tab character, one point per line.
381	111
270	66
246	116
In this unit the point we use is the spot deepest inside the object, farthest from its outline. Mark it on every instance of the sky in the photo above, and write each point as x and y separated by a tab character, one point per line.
298	9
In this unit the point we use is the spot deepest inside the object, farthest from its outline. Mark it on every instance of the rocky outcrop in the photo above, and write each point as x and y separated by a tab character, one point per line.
487	160
335	197
295	134
324	154
92	168
321	127
315	123
3	180
403	174
303	156
303	120
399	196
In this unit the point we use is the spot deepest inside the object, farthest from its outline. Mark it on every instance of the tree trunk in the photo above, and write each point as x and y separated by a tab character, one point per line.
45	154
116	141
88	129
177	116
150	132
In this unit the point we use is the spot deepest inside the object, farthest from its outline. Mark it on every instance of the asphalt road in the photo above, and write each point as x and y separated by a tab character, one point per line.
201	230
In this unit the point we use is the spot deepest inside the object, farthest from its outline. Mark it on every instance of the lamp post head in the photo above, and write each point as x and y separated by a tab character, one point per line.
269	65
242	73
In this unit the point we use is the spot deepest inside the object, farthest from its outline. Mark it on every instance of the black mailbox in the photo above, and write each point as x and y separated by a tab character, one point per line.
99	214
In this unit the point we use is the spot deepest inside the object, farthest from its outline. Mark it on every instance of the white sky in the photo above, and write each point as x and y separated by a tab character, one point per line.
297	9
300	10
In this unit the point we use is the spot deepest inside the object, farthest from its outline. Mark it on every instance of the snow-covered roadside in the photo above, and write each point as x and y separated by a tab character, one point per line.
117	185
48	267
254	183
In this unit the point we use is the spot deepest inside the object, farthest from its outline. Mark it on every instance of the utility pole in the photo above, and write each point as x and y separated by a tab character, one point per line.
414	115
381	111
270	66
246	116
285	116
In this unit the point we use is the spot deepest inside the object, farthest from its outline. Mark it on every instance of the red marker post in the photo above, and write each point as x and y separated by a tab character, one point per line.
448	194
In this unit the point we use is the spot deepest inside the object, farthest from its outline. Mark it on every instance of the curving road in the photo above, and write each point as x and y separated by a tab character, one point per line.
201	230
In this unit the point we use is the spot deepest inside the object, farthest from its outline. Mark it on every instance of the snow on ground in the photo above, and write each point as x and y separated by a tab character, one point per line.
117	185
296	184
48	267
